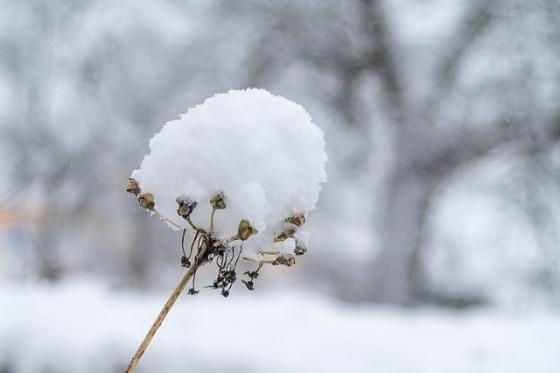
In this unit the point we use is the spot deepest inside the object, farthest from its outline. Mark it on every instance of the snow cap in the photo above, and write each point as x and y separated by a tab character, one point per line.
261	151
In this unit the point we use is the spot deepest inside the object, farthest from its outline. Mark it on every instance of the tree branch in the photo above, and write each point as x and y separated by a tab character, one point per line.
474	24
471	145
381	56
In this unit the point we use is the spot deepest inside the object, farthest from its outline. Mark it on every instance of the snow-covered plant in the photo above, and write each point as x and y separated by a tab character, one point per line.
238	175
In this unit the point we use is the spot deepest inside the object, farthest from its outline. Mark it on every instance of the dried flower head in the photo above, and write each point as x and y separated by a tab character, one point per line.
245	230
132	187
256	156
297	219
218	201
146	200
300	248
267	159
185	206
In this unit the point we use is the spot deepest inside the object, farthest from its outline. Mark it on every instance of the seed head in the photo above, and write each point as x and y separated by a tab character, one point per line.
218	201
133	187
297	219
245	230
300	249
287	233
146	200
185	206
285	259
250	285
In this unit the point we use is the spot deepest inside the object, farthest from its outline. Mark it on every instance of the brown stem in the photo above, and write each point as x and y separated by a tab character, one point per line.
163	313
200	230
231	239
260	262
166	219
212	220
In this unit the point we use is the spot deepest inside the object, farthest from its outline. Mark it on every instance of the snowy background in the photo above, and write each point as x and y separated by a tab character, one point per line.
435	243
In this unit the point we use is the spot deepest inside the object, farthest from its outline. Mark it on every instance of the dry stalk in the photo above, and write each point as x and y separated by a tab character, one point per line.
166	219
163	313
208	248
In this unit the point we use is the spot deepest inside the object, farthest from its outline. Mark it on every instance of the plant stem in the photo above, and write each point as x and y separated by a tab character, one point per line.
212	220
166	219
200	230
163	313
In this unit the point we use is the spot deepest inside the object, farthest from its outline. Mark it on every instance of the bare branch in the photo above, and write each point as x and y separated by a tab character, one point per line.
381	57
474	24
471	145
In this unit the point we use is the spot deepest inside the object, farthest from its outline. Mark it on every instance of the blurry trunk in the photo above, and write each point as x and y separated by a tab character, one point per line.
395	269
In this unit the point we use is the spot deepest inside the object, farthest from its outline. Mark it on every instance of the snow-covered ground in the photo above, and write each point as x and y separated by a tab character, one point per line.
85	327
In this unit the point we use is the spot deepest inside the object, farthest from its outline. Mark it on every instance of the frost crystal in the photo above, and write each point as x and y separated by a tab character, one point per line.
257	157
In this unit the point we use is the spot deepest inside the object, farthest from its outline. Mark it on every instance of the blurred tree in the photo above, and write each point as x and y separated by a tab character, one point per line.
482	92
404	114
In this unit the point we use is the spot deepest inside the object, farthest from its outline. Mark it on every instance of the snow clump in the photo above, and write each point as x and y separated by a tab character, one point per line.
261	151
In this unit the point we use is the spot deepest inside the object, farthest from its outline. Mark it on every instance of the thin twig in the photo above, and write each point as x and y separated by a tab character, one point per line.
166	219
252	260
165	310
188	219
183	243
192	244
238	256
231	239
269	252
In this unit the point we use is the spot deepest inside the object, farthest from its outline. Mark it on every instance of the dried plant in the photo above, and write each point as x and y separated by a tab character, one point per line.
207	248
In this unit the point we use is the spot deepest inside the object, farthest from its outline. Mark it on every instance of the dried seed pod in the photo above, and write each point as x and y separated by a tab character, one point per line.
185	262
285	259
218	201
300	248
287	233
185	206
252	274
219	248
133	187
297	219
146	200
229	276
249	284
245	230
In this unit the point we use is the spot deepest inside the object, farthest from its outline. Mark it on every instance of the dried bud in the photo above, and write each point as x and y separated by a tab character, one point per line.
192	291
300	249
285	259
132	187
230	276
287	233
298	220
185	206
218	201
252	274
245	230
185	262
249	284
146	200
219	248
225	293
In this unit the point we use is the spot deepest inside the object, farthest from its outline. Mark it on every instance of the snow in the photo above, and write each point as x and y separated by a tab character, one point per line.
261	151
85	327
